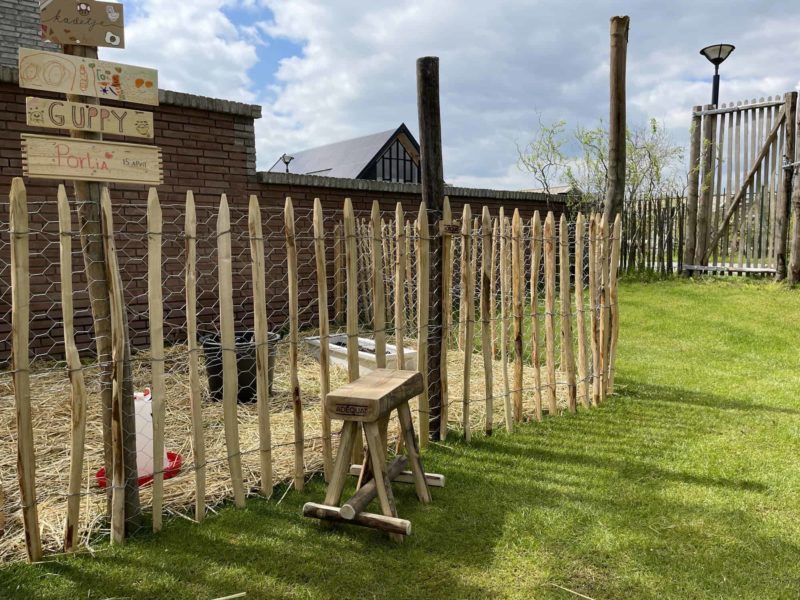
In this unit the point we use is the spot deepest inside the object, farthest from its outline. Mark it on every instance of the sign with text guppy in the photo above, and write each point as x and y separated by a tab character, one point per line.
46	157
41	70
115	120
83	22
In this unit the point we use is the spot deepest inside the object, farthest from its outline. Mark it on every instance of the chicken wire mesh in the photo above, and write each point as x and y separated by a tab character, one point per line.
50	389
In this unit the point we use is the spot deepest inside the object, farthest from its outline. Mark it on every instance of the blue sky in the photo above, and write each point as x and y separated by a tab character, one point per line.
324	71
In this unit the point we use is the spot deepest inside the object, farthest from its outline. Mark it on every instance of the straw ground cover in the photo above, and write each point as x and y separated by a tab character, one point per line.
684	484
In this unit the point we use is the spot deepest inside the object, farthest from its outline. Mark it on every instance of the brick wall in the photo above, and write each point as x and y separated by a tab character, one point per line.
209	147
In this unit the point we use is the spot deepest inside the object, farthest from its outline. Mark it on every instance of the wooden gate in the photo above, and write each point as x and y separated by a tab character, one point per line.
739	189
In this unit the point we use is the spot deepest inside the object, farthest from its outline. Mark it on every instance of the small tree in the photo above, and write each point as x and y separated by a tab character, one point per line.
543	157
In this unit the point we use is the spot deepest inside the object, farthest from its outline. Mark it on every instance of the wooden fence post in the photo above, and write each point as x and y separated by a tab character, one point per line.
794	266
615	187
261	341
504	268
198	444
468	306
230	374
517	291
566	314
550	308
294	326
583	367
378	290
493	290
690	229
785	196
423	281
447	310
156	322
119	360
20	326
77	384
594	297
486	322
536	257
613	296
605	309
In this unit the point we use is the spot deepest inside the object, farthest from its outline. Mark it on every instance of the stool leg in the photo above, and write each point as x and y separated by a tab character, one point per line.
342	465
382	483
412	449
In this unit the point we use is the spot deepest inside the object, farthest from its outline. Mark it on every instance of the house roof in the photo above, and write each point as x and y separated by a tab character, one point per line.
556	189
348	158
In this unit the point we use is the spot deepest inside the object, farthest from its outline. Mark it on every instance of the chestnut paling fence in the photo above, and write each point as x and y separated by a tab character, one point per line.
530	329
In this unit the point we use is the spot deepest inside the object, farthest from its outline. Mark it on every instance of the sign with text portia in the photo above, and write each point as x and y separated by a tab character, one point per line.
40	70
60	114
45	157
83	22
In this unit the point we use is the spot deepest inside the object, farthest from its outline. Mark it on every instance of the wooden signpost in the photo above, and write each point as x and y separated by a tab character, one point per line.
46	157
42	70
77	116
85	22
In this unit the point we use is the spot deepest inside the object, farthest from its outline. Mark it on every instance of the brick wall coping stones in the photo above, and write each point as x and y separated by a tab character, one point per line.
318	181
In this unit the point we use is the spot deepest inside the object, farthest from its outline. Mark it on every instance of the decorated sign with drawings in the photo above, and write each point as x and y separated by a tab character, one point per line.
60	114
83	22
87	77
45	157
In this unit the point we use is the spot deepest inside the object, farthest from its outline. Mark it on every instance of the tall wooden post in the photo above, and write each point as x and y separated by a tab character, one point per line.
785	198
615	187
432	174
705	199
692	190
87	197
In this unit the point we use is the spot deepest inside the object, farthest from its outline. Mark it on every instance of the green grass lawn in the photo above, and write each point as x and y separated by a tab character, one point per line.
686	484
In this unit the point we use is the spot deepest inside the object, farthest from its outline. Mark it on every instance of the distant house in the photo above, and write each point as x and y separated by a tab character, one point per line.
391	155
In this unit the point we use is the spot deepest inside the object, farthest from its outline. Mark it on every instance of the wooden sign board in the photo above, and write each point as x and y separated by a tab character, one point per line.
46	157
115	120
83	22
40	70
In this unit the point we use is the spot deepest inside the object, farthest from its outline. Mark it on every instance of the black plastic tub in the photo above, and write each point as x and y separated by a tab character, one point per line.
245	363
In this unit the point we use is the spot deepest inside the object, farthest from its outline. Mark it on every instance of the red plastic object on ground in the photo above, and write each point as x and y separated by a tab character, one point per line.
172	468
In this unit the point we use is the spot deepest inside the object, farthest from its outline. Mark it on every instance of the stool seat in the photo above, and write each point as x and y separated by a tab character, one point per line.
374	395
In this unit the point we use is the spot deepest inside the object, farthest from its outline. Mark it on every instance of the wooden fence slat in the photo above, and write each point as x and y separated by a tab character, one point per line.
156	322
338	273
447	307
387	254
517	291
613	296
195	406
486	322
353	278
566	314
77	384
294	333
467	297
261	341
400	286
536	257
118	358
550	308
423	281
504	299
593	307
230	375
20	326
605	308
493	290
378	289
583	367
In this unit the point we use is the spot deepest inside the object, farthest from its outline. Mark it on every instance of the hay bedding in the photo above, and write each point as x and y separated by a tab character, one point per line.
50	396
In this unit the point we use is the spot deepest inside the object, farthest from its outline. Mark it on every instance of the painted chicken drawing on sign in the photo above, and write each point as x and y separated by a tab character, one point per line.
87	77
83	22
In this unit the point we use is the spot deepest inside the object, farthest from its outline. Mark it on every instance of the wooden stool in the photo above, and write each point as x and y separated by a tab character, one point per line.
369	401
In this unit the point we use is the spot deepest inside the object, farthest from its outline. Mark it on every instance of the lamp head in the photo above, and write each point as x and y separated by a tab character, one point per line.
717	53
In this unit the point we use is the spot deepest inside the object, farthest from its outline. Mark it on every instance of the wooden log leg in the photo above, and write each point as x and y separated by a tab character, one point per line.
342	465
407	428
382	482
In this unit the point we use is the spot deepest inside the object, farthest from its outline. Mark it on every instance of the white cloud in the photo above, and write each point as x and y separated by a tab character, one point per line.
500	62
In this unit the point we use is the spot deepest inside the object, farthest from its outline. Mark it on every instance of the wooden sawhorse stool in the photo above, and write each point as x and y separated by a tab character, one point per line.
368	402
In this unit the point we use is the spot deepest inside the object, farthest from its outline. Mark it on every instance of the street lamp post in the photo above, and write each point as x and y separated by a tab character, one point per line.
716	55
